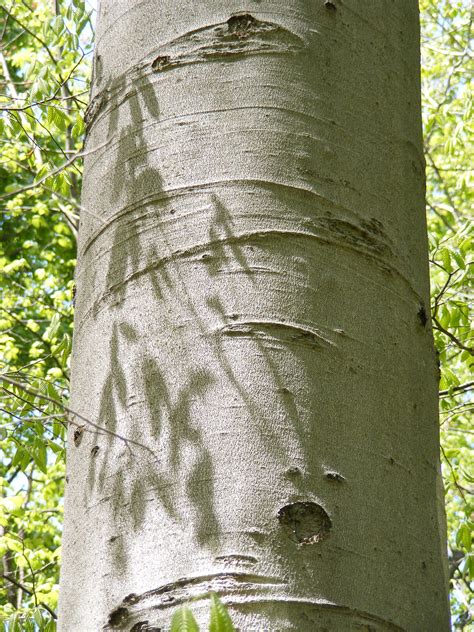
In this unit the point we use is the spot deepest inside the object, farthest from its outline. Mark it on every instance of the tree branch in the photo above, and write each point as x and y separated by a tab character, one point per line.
461	388
452	337
29	592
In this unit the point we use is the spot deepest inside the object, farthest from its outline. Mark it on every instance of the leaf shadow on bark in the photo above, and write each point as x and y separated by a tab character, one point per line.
137	190
270	339
130	479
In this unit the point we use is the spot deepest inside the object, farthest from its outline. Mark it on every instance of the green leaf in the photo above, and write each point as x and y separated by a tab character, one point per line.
445	257
469	566
28	625
50	626
46	28
72	41
58	118
464	537
184	621
57	24
19	456
39	89
59	184
14	623
451	453
79	7
52	330
40	455
220	618
459	259
78	128
38	617
63	350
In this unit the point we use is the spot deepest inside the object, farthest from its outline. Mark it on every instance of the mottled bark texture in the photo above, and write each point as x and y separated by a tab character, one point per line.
253	309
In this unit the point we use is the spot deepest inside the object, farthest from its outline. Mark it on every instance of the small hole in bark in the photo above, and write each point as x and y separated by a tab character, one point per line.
78	436
422	317
95	450
98	68
293	471
305	522
330	5
160	63
335	476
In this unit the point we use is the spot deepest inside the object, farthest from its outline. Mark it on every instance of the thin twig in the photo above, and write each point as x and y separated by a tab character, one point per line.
29	592
32	391
461	388
452	337
454	474
34	185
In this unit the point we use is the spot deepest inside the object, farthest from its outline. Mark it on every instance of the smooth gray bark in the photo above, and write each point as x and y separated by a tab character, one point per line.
253	309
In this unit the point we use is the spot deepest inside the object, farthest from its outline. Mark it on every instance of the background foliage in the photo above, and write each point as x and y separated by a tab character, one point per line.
45	56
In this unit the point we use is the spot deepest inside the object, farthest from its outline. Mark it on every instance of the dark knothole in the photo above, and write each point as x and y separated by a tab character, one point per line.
335	476
422	316
143	626
160	63
305	522
240	25
118	617
293	471
78	436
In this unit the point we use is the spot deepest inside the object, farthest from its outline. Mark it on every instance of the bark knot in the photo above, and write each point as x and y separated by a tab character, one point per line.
95	106
305	522
117	618
335	476
241	25
422	315
241	34
160	63
143	626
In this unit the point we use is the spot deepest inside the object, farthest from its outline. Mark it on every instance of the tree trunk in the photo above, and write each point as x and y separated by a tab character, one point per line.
252	329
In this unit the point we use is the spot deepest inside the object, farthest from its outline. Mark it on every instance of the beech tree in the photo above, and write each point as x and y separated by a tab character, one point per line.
252	337
243	479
